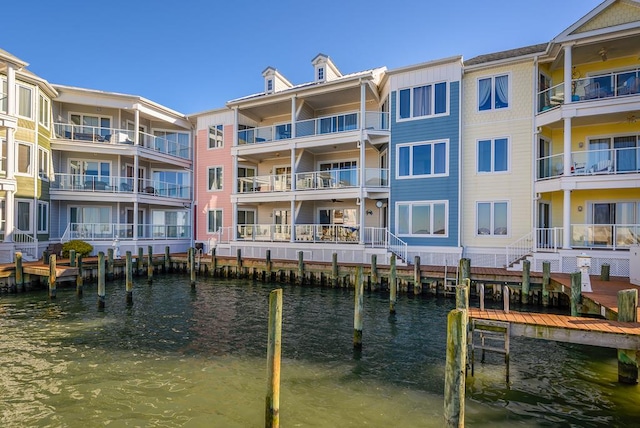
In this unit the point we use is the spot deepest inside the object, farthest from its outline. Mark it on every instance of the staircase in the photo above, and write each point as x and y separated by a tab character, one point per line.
26	244
519	250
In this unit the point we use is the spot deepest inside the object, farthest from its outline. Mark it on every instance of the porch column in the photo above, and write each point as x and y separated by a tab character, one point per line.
566	167
293	117
567	74
234	190
293	168
566	220
135	219
136	122
294	220
9	224
361	162
235	126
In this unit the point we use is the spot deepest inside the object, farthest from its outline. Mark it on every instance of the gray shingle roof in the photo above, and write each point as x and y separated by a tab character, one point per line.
511	53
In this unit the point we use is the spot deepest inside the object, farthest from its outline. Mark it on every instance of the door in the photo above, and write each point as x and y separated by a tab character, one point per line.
130	223
603	219
545	167
282	178
544	234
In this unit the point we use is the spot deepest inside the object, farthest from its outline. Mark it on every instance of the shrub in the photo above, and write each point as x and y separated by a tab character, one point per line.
82	248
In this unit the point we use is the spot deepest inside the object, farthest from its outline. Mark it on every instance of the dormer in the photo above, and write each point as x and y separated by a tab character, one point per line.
325	69
274	81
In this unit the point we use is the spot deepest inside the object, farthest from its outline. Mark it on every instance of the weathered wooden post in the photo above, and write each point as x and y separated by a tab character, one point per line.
604	271
79	277
192	267
375	279
417	281
526	281
167	259
129	278
101	280
506	298
150	264
464	269
300	278
45	257
52	276
628	358
72	258
214	262
393	286
239	263
576	293
19	272
334	268
268	265
110	264
462	294
456	362
140	261
481	296
272	408
546	278
358	308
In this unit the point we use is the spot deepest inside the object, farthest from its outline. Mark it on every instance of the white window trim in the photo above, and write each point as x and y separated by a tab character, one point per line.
32	160
31	212
99	161
219	225
209	189
318	163
492	234
422	235
433	101
209	139
46	225
45	173
493	86
17	101
493	159
420	143
47	113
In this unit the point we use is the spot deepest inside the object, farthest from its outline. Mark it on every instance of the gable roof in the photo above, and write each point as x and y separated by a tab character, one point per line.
610	14
502	55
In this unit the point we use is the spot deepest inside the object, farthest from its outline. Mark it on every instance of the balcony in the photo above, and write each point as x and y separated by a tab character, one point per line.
264	183
126	185
319	126
102	135
124	231
607	236
592	162
326	233
341	178
611	85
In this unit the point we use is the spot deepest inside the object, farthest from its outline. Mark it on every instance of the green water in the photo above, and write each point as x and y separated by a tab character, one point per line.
198	359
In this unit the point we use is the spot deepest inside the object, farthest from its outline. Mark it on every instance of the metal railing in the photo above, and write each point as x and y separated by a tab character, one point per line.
264	183
26	243
550	98
332	179
264	232
89	183
264	134
335	233
519	249
376	237
397	246
611	236
591	162
124	231
104	135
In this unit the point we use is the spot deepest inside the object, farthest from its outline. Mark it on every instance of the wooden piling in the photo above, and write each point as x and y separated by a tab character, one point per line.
358	308
52	276
481	296
300	277
526	282
150	264
334	269
19	272
454	375
628	358
393	286
506	298
462	294
140	261
192	267
167	259
546	278
214	262
576	293
464	269
268	265
272	408
110	264
417	281
604	271
101	280
239	263
129	278
72	258
79	277
375	278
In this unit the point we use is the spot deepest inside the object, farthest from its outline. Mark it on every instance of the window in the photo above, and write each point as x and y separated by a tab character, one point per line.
215	178
423	101
320	73
172	142
90	175
493	155
90	126
25	107
170	224
216	136
269	85
23	216
43	111
23	160
43	217
422	159
422	218
174	184
492	218
3	96
214	220
493	93
43	163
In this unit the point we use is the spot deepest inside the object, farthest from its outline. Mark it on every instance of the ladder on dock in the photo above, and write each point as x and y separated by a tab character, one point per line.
493	336
449	284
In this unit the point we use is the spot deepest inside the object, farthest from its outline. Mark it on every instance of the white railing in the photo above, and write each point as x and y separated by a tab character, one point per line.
376	120
123	231
548	239
264	232
550	166
264	183
104	135
89	183
25	243
612	236
591	162
397	246
328	125
264	134
519	249
332	179
376	237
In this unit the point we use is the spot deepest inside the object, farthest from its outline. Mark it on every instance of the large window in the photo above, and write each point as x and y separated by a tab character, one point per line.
24	161
427	100
493	155
43	111
174	184
43	163
493	92
172	142
23	216
216	136
170	224
493	218
214	220
43	217
3	96
90	175
25	102
426	159
422	218
215	178
90	126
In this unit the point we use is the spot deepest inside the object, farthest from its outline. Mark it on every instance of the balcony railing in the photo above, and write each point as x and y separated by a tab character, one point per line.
332	179
264	183
3	103
97	134
318	126
548	239
609	85
612	236
124	231
86	183
264	232
592	162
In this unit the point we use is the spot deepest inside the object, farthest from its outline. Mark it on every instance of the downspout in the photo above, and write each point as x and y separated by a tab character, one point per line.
460	158
534	133
363	98
192	181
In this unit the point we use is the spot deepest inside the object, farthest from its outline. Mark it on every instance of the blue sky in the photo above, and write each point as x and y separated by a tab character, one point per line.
195	55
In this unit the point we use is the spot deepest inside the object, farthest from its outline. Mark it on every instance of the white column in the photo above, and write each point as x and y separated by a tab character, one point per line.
361	162
293	188
136	121
567	74
9	220
566	167
294	220
135	218
235	126
234	187
566	220
293	117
